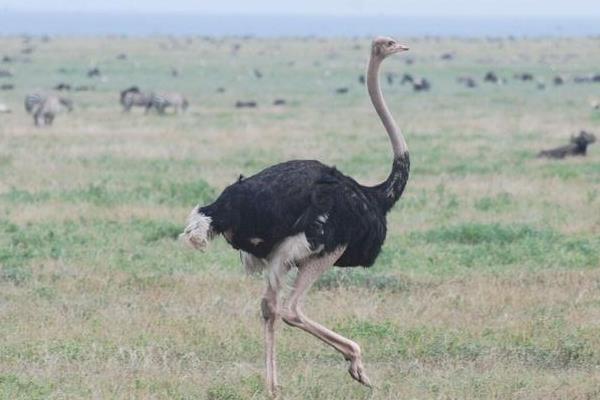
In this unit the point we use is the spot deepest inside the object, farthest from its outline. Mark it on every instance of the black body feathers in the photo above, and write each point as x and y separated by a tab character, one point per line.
305	196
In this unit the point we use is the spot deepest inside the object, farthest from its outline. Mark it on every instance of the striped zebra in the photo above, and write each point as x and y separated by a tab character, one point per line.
32	100
49	107
162	101
133	97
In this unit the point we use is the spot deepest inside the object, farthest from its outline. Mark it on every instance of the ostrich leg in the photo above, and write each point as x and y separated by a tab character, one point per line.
269	310
269	313
292	314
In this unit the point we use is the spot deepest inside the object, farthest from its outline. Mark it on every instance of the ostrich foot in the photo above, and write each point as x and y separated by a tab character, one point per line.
357	371
274	392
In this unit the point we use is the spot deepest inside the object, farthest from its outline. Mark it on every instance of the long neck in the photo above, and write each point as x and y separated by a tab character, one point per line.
396	138
389	191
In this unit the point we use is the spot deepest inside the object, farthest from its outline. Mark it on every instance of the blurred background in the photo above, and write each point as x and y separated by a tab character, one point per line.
275	18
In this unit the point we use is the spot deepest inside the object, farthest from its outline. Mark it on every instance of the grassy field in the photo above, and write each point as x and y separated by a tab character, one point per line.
488	286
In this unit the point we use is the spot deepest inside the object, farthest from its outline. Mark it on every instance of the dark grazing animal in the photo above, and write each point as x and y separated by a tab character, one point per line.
577	147
407	78
32	100
162	101
526	76
310	216
491	77
51	105
62	86
245	104
94	72
390	78
467	81
134	97
421	85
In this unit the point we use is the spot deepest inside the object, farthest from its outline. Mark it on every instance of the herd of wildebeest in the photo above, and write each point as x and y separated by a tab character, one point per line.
45	105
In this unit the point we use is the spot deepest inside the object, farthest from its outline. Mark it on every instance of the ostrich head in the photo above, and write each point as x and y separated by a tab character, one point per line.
384	46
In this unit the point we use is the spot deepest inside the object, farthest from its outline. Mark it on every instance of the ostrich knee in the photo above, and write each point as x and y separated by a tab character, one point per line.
268	308
291	316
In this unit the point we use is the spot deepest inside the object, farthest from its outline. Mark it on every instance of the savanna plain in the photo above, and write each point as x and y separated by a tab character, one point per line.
488	286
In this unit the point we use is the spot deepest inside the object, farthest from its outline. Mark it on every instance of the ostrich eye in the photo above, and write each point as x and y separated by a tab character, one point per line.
390	43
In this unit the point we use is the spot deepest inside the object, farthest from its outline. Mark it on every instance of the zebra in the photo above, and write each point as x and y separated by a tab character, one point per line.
47	109
32	100
133	97
164	100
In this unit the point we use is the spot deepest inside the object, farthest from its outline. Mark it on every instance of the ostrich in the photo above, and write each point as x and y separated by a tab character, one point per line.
307	215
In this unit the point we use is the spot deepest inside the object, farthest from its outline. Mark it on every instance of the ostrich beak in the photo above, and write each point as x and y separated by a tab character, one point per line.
401	47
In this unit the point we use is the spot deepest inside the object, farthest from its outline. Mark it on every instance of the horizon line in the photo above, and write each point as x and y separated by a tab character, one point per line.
304	14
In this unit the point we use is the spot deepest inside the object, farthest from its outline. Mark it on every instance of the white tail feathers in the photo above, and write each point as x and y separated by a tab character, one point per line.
198	231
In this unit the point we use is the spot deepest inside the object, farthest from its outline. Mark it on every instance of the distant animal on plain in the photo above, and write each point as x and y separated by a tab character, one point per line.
94	72
121	56
587	78
490	77
361	79
32	100
526	76
279	102
245	104
62	86
582	79
133	97
7	86
447	56
407	78
163	101
421	85
257	73
341	90
390	78
467	81
4	73
577	147
558	80
307	216
45	112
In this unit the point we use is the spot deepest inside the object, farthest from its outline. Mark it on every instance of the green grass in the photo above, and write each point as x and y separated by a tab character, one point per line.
486	287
